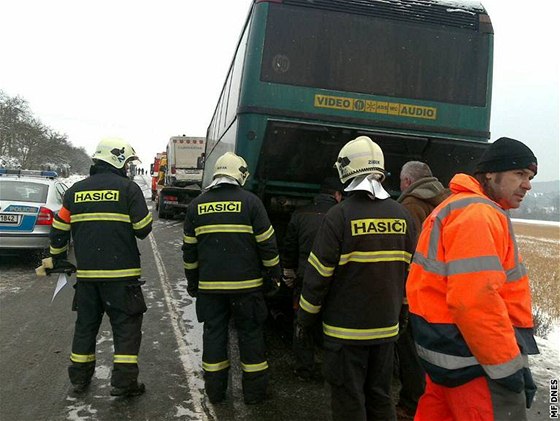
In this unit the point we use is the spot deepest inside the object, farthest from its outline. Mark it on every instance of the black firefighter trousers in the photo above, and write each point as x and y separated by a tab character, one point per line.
249	313
123	302
360	377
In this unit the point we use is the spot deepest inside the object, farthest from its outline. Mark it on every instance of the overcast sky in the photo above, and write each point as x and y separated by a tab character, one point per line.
147	70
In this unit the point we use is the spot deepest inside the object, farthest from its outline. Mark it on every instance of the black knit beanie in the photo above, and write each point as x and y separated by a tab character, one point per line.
506	154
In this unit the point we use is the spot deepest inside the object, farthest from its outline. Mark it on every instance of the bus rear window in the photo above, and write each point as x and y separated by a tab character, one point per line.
370	55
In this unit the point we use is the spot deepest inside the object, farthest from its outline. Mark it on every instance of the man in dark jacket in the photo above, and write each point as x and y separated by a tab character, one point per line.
355	280
300	234
421	193
104	214
228	245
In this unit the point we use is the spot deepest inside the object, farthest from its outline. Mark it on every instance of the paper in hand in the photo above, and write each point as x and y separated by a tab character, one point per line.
61	283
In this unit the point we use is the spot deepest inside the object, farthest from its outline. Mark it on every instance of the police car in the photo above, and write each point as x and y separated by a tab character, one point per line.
28	202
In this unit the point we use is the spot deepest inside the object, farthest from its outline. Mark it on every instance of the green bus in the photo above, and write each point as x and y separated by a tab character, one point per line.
308	76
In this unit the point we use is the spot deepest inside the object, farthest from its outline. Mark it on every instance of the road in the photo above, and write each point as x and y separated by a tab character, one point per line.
36	335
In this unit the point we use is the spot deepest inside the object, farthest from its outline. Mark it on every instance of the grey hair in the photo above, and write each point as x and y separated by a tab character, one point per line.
415	170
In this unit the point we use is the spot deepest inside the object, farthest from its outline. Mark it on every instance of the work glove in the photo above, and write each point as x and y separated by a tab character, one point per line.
289	277
192	289
50	265
306	319
271	281
192	284
530	387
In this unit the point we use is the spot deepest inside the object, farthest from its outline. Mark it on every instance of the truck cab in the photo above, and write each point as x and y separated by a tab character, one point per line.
180	174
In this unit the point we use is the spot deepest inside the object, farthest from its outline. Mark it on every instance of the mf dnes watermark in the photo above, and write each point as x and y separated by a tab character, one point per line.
553	409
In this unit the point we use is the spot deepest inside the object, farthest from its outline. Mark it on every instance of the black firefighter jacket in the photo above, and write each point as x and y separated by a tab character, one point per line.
228	242
104	213
357	270
301	232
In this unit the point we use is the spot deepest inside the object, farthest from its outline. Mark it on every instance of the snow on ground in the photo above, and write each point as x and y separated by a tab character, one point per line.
536	222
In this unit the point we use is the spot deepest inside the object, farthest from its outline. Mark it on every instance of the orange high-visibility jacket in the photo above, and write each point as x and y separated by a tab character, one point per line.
468	291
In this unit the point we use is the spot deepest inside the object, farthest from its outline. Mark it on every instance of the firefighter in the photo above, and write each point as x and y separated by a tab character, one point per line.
355	278
104	214
301	231
469	295
230	253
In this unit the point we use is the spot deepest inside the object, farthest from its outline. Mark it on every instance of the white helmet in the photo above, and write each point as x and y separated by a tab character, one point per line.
358	157
232	165
115	151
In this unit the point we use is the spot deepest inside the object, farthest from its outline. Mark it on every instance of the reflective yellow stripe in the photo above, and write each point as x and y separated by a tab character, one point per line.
375	256
54	250
189	240
61	225
190	265
101	216
125	359
271	262
81	358
215	367
307	306
265	235
361	334
142	223
252	283
323	270
211	229
252	368
117	273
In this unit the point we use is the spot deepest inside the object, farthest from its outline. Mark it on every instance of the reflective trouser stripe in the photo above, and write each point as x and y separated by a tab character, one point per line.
81	358
215	367
252	368
125	359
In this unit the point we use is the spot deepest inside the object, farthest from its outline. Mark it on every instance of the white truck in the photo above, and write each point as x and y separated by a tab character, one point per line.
182	175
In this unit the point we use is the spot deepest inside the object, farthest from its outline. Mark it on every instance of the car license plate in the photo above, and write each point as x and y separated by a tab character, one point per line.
9	219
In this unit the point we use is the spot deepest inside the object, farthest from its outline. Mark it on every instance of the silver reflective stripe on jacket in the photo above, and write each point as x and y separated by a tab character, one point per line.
472	264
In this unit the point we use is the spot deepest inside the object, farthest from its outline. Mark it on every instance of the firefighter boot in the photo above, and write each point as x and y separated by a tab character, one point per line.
135	389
